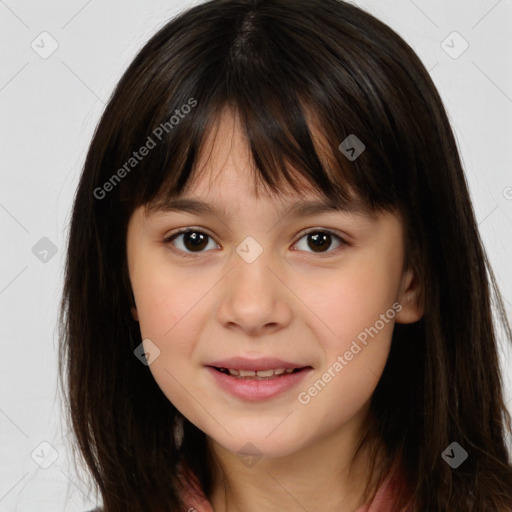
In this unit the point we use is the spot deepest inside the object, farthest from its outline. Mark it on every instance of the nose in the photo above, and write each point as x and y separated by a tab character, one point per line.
253	298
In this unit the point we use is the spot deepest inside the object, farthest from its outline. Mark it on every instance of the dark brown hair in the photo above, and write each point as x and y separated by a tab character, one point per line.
302	75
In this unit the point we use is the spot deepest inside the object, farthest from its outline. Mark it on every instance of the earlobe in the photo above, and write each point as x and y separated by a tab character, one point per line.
135	315
410	299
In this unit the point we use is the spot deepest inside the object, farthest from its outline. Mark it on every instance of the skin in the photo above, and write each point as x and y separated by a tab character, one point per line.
292	303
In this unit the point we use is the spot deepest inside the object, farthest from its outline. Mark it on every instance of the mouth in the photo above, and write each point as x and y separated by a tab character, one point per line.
252	385
270	374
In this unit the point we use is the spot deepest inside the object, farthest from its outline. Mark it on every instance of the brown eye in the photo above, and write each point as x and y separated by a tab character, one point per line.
191	241
321	241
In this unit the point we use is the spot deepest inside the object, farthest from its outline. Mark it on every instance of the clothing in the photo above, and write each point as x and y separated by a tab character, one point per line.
199	503
381	503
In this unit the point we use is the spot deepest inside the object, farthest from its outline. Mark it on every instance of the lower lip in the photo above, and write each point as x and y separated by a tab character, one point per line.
256	390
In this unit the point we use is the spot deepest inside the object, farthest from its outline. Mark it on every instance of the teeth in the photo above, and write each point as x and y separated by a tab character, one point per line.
265	373
247	373
259	373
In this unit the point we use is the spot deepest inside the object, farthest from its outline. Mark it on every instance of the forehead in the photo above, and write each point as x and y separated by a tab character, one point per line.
235	188
225	174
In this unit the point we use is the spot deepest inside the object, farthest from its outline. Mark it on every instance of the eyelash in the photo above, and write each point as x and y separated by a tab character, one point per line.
179	252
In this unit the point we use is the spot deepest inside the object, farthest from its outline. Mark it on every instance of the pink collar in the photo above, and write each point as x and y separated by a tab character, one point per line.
197	501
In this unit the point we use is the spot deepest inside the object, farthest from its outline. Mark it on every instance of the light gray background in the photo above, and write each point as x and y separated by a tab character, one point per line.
49	109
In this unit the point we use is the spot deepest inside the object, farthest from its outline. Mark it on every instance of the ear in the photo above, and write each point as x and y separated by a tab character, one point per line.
410	299
135	314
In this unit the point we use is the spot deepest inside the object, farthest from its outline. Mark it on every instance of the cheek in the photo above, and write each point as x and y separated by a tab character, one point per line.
355	340
171	314
173	308
355	345
352	300
163	294
362	298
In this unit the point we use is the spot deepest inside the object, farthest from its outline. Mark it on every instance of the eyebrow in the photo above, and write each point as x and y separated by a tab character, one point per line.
298	209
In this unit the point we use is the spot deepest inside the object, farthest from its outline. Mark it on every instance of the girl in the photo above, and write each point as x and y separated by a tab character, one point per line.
276	297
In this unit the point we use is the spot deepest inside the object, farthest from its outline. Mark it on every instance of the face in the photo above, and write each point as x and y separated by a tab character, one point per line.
253	280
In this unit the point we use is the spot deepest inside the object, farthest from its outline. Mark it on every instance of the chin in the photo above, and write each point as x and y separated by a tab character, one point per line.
257	445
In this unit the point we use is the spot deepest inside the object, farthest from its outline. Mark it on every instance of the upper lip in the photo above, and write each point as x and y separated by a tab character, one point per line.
264	363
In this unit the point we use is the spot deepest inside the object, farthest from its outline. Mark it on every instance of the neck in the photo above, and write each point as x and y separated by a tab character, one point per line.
315	478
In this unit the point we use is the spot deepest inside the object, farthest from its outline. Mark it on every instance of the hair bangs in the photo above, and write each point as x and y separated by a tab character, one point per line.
291	147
